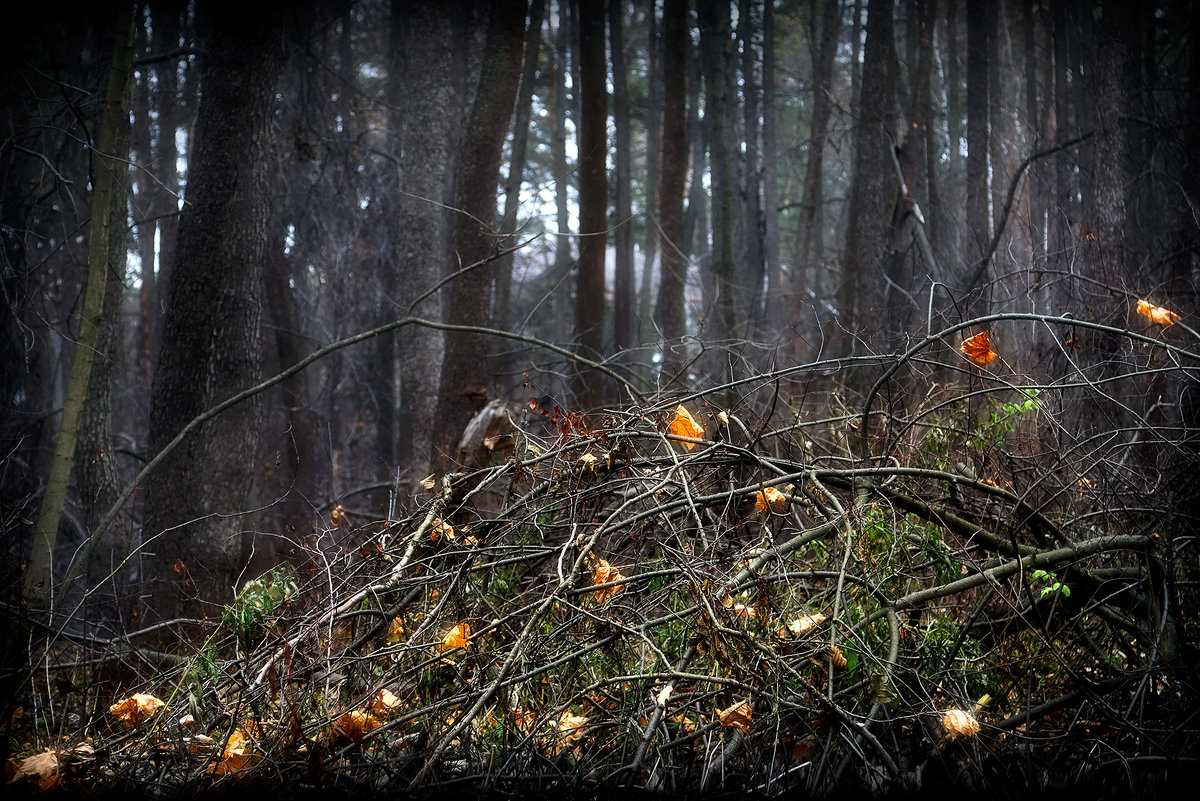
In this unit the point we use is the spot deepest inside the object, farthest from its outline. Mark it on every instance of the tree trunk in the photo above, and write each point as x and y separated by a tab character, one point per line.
593	198
721	321
809	252
211	345
979	221
502	306
773	311
750	280
623	295
654	113
464	387
108	169
671	308
421	81
870	194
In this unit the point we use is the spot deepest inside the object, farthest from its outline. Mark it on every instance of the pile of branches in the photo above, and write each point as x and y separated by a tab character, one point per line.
689	597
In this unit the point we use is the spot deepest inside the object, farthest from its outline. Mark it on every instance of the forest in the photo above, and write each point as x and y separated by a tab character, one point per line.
719	397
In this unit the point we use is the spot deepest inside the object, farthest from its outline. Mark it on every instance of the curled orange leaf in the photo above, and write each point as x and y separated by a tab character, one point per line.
383	702
355	725
684	425
979	349
959	723
136	708
458	636
603	573
769	500
395	630
1157	314
737	716
804	624
441	530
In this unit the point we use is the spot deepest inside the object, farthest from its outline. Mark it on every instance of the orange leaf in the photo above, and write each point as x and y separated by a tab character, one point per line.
769	499
602	574
395	630
979	349
959	723
684	425
336	514
136	708
457	638
736	716
383	702
355	725
441	530
1157	314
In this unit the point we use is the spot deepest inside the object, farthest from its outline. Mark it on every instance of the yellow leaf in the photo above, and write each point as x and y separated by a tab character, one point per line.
1157	314
737	716
979	349
136	708
959	723
458	636
383	702
769	499
684	425
395	630
441	530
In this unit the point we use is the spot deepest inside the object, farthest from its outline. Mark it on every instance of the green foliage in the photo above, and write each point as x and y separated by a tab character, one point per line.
258	601
1047	584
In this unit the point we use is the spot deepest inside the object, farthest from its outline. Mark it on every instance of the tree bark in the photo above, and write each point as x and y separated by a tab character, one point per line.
810	248
654	134
870	196
671	307
593	198
211	345
108	163
721	321
464	387
421	81
623	293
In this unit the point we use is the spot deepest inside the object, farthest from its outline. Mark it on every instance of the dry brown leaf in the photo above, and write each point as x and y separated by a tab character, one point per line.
979	349
737	716
458	636
602	574
684	425
136	708
769	500
336	515
959	723
383	702
44	766
588	461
